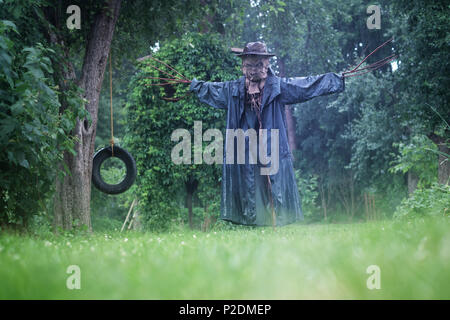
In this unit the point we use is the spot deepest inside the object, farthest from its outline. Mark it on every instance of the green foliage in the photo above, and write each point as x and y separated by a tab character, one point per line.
113	171
431	201
302	35
374	129
109	212
421	32
32	132
151	121
362	138
106	223
308	188
417	156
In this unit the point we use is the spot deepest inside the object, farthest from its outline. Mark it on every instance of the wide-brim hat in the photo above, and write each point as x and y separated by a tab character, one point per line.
255	49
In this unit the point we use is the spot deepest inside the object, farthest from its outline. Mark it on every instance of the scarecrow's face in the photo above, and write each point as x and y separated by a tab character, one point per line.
255	68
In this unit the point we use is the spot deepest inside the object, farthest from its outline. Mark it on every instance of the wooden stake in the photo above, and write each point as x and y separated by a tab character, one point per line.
128	215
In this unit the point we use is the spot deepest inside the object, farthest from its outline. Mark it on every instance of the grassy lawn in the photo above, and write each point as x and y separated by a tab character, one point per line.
322	261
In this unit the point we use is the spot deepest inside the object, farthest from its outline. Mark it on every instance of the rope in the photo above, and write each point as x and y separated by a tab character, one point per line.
274	217
111	141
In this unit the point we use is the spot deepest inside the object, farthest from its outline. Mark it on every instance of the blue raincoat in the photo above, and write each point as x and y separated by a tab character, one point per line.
245	194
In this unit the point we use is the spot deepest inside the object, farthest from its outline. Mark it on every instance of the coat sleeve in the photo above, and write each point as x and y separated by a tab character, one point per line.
213	93
300	89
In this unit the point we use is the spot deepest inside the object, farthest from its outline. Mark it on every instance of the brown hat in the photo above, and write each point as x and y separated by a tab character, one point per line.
255	49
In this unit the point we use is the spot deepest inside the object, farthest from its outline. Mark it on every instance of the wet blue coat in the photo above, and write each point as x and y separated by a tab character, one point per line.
245	197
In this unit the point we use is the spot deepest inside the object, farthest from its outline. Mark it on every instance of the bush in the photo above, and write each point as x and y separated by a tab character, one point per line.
102	223
161	184
308	189
433	201
419	157
33	133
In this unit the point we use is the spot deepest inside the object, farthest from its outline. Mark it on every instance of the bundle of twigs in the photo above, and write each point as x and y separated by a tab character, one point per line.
171	79
357	71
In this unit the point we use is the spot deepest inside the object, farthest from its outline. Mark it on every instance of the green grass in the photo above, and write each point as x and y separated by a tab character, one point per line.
323	261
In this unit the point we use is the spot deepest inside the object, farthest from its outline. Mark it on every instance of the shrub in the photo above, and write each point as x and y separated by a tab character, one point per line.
161	184
432	201
33	133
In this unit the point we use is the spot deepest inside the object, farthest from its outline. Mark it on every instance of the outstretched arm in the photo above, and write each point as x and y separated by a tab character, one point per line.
213	93
300	89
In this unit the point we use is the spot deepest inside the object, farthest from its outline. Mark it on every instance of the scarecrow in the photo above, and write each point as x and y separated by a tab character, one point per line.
257	101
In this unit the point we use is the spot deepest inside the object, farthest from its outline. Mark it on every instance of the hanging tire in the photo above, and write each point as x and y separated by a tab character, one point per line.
130	165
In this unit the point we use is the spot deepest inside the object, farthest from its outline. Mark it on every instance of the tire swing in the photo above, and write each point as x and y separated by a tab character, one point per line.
113	151
130	165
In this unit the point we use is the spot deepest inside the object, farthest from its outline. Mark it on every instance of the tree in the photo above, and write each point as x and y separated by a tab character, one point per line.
164	185
422	36
73	193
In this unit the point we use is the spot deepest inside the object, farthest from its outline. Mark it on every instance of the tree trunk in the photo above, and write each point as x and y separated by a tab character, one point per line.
210	23
63	215
324	203
290	123
444	162
413	180
290	120
191	186
73	193
352	194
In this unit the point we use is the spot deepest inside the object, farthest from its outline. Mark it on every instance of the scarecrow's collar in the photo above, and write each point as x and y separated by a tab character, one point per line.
271	88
